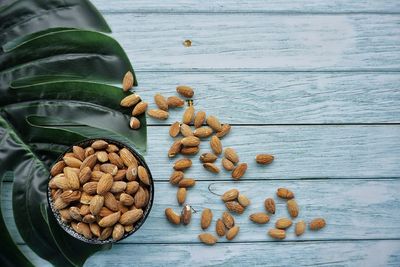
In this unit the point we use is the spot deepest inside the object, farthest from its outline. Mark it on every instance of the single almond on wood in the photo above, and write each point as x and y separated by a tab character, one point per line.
182	164
300	228
293	208
176	177
188	115
211	167
216	145
181	195
203	132
277	233
208	158
175	102
225	129
206	218
243	200
127	81
239	171
227	164
185	91
172	216
220	227
186	130
139	109
187	182
214	123
190	141
130	100
175	148
232	233
199	119
234	206
190	150
269	204
317	224
264	159
284	193
161	102
231	154
228	220
283	223
259	217
158	114
230	195
175	129
208	239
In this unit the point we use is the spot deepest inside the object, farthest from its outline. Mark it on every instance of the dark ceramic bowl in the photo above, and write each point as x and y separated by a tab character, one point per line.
146	210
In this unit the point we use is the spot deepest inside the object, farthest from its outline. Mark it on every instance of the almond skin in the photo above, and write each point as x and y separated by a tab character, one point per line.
264	159
175	102
99	144
203	132
231	155
188	115
134	123
109	168
190	141
214	123
72	178
172	216
206	218
227	164
186	130
277	233
284	193
283	223
228	220
139	109
317	224
187	182
96	203
175	129
127	157
232	233
239	171
84	175
110	202
131	217
57	168
102	156
220	227
181	195
293	208
211	167
230	195
269	204
118	232
126	199
84	230
127	81
105	183
208	239
176	177
185	91
132	187
143	175
300	228
234	206
89	161
199	119
243	200
225	129
161	102
106	233
116	160
216	145
175	148
69	196
72	162
140	198
182	164
259	217
130	101
79	152
110	220
190	150
158	114
208	158
118	187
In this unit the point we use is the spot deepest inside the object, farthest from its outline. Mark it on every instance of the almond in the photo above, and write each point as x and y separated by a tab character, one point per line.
199	119
317	224
99	144
120	175
102	156
231	155
104	212
190	141
227	164
211	167
89	151
118	187
182	164
283	223
85	198
110	201
234	206
140	198
106	233
65	216
127	81
158	114
176	177
109	168
175	129
72	179
134	123
60	204
264	159
84	230
277	233
96	203
105	183
175	102
181	195
284	193
57	168
96	175
79	152
243	200
118	232
214	123
131	217
132	187
239	171
59	182
188	115
232	233
185	91
116	160
203	132
112	148
186	130
225	129
187	182
132	172
143	175
220	227
74	213
89	218
216	145
110	220
208	158
130	101
186	215
139	109
228	220
127	157
190	150
69	196
300	228
126	199
259	217
84	210
269	204
172	216
206	218
84	175
129	228
95	229
208	239
230	195
161	102
72	162
90	161
175	148
293	208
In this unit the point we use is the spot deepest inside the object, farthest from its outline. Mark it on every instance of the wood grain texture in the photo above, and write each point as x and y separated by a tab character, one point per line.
282	98
353	209
259	41
301	152
320	6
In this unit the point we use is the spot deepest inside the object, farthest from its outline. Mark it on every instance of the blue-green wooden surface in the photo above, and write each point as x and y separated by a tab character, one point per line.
316	83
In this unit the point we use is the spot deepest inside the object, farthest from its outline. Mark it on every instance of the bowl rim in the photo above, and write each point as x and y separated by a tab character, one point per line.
67	228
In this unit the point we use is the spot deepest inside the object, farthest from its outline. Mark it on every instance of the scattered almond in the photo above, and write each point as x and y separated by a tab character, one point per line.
139	109
188	115
300	228
175	102
190	150
264	159
283	223
317	224
293	208
161	102
232	233
199	119
227	164
172	216
239	171
216	145
190	141
231	155
206	218
175	148
127	81
230	195
243	200
284	193
214	123
176	177
208	238
130	100
225	129
220	227
158	114
186	130
175	129
134	123
234	206
185	91
228	220
203	132
277	233
182	164
208	158
211	167
181	195
187	182
269	204
259	217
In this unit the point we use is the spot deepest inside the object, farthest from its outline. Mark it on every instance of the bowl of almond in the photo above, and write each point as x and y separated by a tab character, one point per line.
100	191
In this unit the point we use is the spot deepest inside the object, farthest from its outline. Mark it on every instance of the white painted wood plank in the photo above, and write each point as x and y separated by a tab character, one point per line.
283	98
353	209
323	6
370	253
259	41
300	151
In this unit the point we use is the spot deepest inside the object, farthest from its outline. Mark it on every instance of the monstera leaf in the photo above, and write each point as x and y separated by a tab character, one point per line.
56	76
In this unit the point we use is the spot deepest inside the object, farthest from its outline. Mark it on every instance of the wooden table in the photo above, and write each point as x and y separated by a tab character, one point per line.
316	83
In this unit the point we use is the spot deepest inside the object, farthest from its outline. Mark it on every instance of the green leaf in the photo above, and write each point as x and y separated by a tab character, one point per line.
23	17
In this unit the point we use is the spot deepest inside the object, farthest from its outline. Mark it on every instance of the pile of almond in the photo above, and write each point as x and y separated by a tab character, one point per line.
100	191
